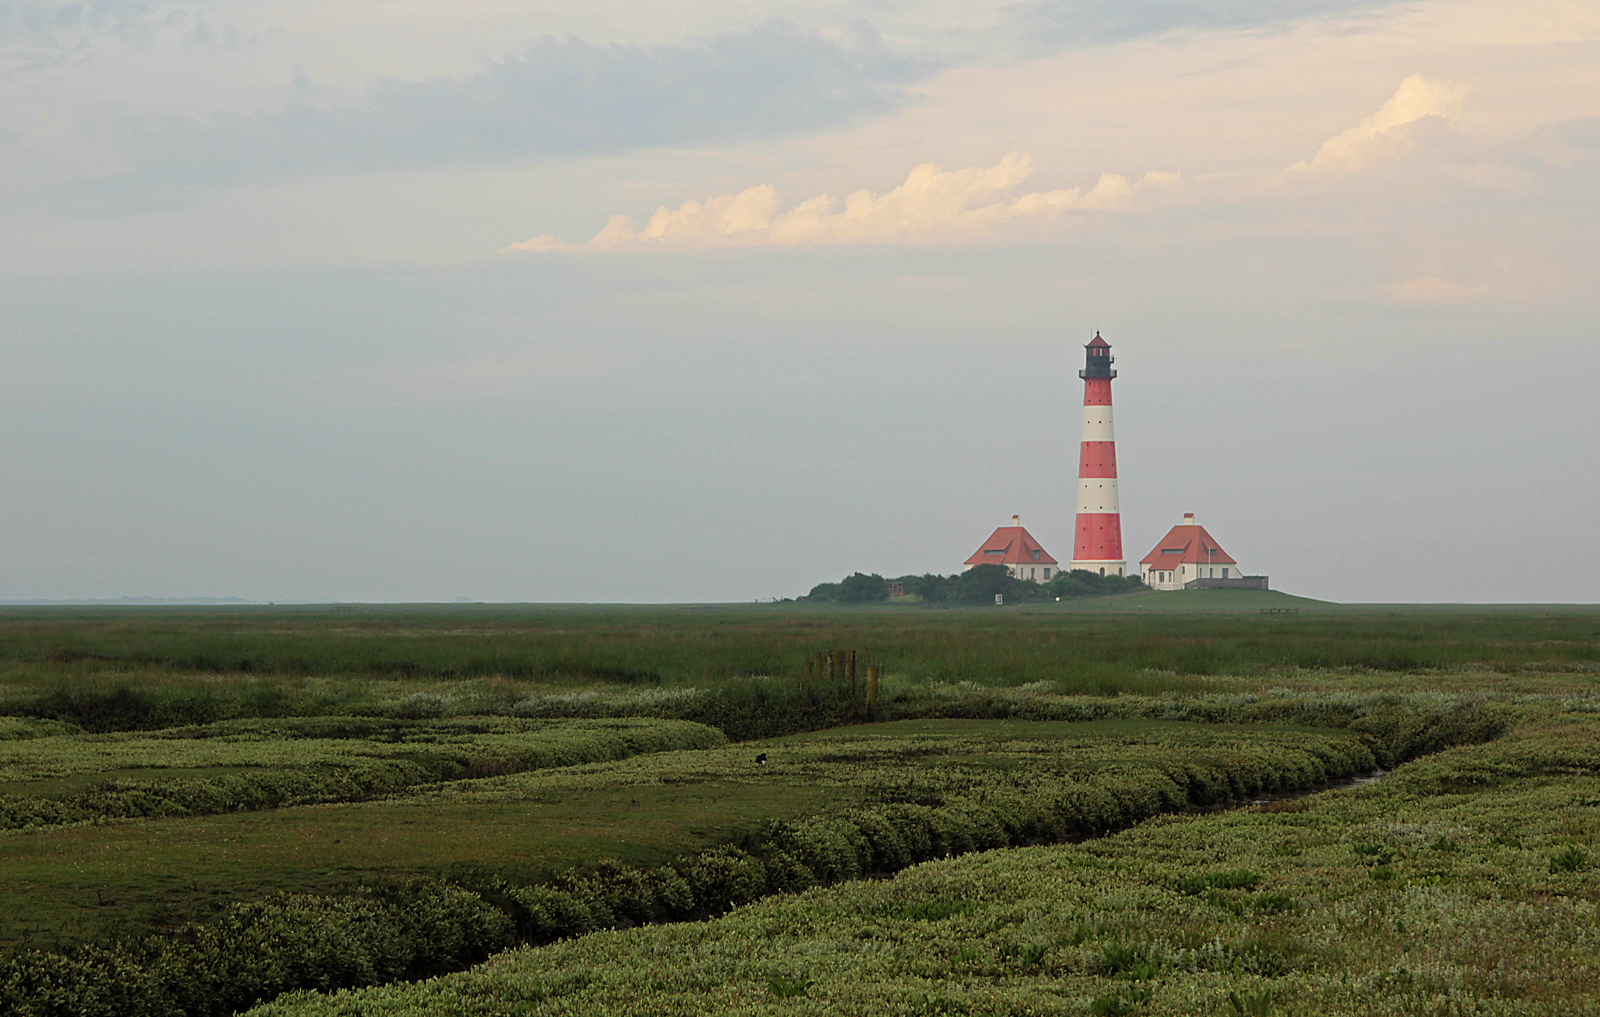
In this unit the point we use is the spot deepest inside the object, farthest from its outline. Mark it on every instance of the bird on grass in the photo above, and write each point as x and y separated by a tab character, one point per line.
761	760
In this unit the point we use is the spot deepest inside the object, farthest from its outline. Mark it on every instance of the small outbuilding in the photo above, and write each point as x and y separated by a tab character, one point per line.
1190	557
1015	548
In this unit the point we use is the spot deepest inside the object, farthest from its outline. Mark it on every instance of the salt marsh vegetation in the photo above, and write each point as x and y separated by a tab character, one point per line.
207	810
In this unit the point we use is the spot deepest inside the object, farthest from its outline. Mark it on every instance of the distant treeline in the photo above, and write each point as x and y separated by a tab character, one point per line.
977	585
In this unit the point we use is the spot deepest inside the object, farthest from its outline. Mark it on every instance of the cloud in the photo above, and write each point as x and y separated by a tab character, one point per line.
1425	289
1056	23
1580	133
1564	143
933	205
1418	102
560	97
41	33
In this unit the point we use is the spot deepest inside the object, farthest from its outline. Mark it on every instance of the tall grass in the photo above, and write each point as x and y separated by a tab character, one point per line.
48	647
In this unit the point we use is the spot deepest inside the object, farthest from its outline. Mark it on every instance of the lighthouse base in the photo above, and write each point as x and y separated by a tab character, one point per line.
1104	568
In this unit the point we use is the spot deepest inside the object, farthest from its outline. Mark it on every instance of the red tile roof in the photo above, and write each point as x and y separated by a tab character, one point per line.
1010	545
1189	544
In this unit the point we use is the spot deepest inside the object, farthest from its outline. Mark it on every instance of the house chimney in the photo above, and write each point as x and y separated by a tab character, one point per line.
1188	519
1016	520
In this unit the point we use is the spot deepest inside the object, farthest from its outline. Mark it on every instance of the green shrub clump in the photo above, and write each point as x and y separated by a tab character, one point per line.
256	951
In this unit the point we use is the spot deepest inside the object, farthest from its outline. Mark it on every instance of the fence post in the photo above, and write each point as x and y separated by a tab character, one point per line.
872	690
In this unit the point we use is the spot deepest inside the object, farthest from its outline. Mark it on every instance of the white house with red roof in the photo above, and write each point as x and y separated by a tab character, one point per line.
1015	548
1188	554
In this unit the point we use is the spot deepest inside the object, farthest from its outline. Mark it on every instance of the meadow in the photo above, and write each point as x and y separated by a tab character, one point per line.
203	809
1438	890
325	658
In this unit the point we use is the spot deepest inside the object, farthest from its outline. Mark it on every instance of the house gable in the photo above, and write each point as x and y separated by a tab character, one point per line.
1011	545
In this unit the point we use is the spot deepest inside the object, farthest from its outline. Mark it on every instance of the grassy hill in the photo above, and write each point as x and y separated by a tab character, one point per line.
1192	601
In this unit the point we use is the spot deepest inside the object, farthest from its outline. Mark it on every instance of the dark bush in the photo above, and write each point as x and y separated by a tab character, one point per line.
256	951
751	708
87	982
120	709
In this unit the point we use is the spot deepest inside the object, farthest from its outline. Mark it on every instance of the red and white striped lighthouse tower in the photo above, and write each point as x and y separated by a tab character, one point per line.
1098	546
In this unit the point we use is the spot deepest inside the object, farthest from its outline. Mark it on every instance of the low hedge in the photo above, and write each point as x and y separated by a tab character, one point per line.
255	951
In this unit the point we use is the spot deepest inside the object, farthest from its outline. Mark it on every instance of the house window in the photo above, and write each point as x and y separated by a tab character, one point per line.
1030	574
1036	556
1047	572
1224	571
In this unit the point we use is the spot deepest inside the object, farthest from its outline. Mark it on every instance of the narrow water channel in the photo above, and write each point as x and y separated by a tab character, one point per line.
1359	780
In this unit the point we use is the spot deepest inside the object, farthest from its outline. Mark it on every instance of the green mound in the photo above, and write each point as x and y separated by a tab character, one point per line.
1196	601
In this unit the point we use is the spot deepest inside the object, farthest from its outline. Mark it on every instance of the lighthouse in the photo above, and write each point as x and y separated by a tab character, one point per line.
1098	546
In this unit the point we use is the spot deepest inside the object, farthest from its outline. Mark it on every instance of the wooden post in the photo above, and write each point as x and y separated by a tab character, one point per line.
850	671
872	689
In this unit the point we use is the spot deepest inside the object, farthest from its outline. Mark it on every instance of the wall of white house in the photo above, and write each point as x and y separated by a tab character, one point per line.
1178	573
1036	572
1040	571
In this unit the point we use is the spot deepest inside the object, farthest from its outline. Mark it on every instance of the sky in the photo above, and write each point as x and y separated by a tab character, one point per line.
392	300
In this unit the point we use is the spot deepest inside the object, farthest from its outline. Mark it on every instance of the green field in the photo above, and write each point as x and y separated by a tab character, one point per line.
201	808
88	882
1435	891
325	659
